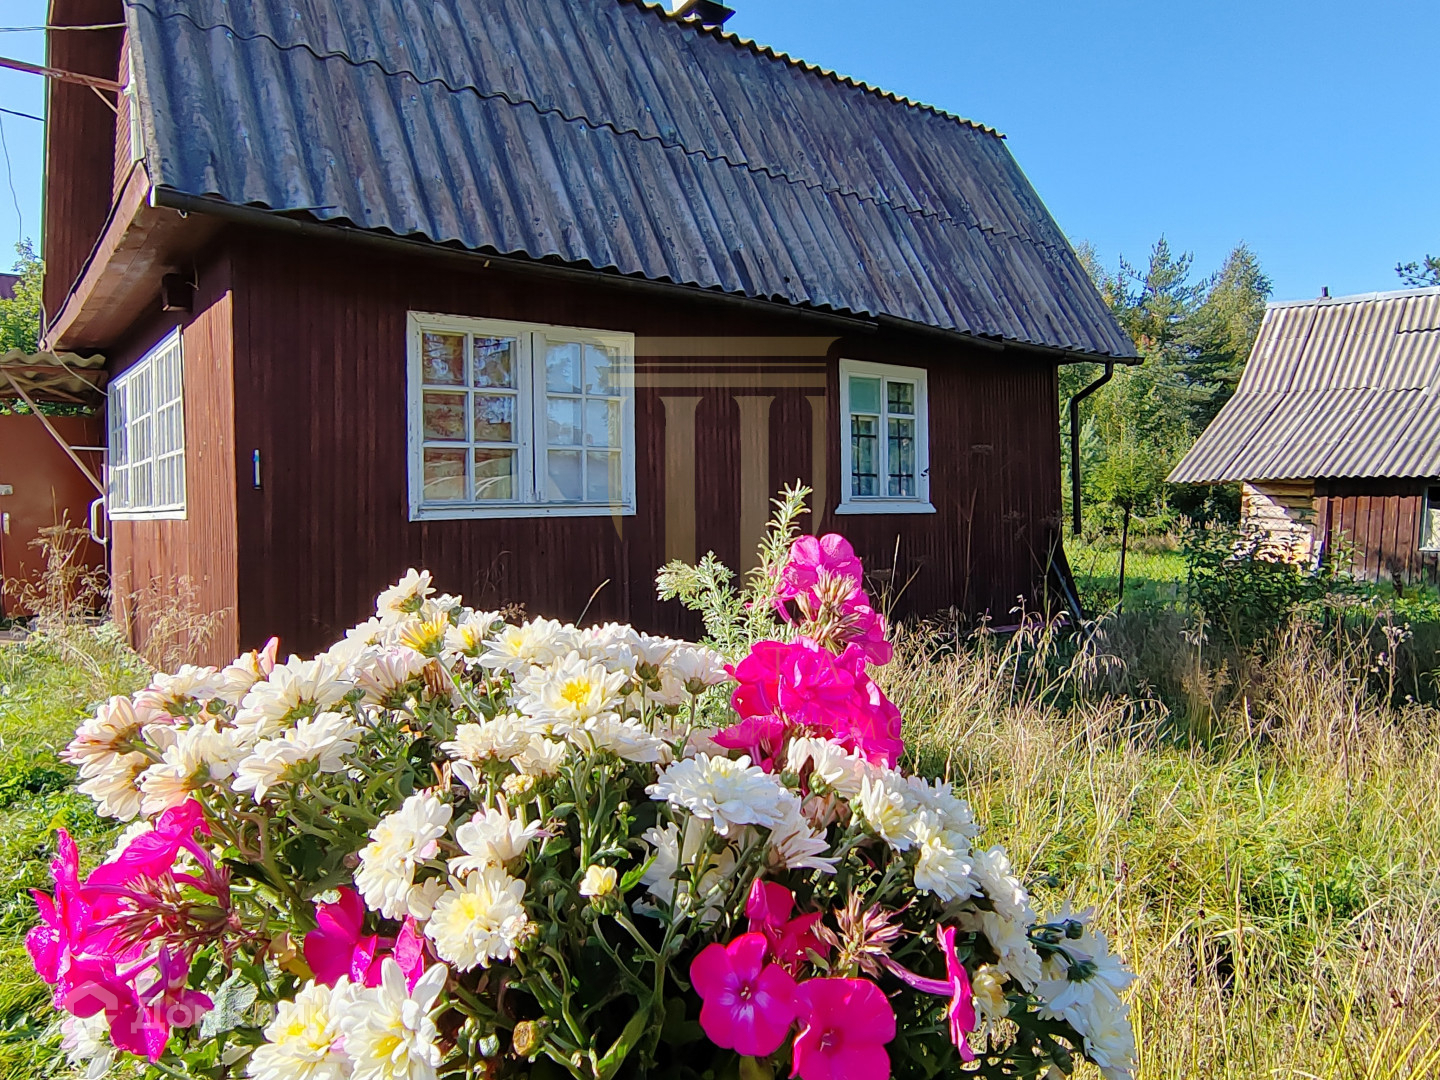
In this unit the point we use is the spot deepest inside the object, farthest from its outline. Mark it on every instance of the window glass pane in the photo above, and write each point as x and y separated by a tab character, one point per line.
562	367
494	474
562	421
1430	527
901	398
864	395
140	439
601	369
442	358
602	423
444	475
140	490
864	449
444	416
494	361
563	472
140	391
494	418
119	418
602	477
902	459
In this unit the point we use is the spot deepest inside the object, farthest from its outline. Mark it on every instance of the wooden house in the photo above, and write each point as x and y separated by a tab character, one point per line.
540	296
1334	433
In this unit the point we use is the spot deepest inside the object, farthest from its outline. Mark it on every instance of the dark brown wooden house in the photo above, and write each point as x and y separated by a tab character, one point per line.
1334	433
539	296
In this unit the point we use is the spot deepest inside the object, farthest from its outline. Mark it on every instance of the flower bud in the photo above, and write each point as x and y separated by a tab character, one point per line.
599	882
528	1037
518	786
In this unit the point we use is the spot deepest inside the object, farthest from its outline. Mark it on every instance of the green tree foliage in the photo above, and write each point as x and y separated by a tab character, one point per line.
1195	336
1420	274
20	315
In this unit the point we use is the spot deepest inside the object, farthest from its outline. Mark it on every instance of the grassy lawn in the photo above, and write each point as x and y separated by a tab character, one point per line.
45	689
1154	573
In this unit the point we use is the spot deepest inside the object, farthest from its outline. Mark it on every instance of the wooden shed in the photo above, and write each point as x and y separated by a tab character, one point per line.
540	296
1334	433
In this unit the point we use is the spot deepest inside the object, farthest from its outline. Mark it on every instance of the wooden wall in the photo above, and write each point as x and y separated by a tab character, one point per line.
151	558
1285	509
79	147
320	392
1378	522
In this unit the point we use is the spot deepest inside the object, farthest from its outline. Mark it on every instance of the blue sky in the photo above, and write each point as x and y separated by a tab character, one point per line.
1310	130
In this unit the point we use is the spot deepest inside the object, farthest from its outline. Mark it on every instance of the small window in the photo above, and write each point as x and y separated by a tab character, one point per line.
519	420
146	420
1430	521
885	444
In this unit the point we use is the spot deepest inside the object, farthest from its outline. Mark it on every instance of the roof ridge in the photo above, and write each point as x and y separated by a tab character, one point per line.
766	170
1356	298
769	51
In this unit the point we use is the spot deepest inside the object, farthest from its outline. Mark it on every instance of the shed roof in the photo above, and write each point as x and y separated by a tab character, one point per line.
610	135
1344	386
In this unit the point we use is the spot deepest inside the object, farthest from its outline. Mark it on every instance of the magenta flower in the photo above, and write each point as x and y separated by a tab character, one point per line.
150	855
809	556
955	986
411	950
748	1005
63	920
762	737
791	940
338	949
168	1003
845	1024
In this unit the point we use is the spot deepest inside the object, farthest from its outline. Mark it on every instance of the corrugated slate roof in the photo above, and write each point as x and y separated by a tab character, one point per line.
607	134
1343	386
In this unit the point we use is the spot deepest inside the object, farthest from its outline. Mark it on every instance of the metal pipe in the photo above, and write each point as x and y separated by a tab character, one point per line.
1075	522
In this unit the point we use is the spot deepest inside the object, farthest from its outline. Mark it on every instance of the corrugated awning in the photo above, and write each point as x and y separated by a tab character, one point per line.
54	378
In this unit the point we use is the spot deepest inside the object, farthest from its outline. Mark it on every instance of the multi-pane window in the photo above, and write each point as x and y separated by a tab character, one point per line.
514	419
884	448
146	420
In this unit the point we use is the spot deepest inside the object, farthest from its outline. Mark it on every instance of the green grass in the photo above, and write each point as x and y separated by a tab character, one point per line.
46	686
1154	573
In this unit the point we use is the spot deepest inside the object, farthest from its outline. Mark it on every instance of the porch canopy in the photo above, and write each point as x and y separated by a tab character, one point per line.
55	379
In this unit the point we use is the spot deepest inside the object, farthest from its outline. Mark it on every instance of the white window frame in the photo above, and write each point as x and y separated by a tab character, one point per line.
529	419
851	503
150	392
1430	504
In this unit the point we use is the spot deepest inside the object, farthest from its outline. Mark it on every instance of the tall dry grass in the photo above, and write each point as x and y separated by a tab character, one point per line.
1261	835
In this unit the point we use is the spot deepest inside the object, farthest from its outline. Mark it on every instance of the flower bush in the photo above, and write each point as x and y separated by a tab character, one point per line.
456	845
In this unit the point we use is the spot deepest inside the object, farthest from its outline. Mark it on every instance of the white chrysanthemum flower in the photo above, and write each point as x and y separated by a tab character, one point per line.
994	874
571	691
303	1041
399	843
629	740
729	793
942	864
517	649
1011	941
245	671
671	692
328	740
491	838
676	862
388	1033
170	692
195	756
616	645
794	845
988	986
696	667
842	770
1065	994
86	1042
542	757
886	808
114	728
384	671
405	597
940	798
1109	1037
653	651
503	738
309	685
467	637
599	880
479	920
112	782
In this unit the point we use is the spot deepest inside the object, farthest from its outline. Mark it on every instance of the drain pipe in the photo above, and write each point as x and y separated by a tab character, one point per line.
1075	444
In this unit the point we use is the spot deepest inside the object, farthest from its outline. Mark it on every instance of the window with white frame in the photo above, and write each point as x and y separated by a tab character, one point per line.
1430	522
519	420
145	407
885	440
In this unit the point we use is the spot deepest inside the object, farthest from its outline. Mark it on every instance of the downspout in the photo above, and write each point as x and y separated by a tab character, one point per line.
1075	444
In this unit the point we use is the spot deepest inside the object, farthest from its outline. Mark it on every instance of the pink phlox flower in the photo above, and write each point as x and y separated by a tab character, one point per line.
749	1005
168	1003
844	1026
867	632
412	952
63	918
92	986
339	949
790	940
809	555
152	855
955	986
762	737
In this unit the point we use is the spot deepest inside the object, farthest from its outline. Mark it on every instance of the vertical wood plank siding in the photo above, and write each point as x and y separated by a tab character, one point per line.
319	342
1378	522
79	145
150	557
